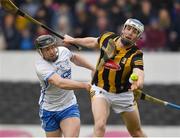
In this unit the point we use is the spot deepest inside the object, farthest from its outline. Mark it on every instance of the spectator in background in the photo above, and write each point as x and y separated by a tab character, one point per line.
134	5
155	37
102	24
164	19
26	40
123	5
117	17
104	4
82	23
45	15
30	7
12	36
84	20
42	17
49	12
2	41
164	24
22	23
63	11
174	35
63	26
145	13
1	15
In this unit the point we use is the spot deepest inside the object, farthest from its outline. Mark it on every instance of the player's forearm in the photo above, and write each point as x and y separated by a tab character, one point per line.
82	62
71	84
140	74
88	42
67	83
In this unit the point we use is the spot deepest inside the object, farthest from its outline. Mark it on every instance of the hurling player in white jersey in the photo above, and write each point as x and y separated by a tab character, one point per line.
59	112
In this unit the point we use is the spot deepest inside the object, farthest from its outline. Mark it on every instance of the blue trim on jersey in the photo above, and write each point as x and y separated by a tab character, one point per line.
51	119
46	86
42	99
66	74
46	79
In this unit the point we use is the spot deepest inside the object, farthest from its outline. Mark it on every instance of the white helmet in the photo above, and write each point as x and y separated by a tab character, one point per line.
136	24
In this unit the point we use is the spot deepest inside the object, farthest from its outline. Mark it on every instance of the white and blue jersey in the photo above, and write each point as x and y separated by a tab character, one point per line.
53	98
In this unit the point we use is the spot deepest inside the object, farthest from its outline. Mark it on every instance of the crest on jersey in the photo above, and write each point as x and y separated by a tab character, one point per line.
123	60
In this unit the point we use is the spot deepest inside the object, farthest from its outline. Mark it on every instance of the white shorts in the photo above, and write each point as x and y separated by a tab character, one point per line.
119	102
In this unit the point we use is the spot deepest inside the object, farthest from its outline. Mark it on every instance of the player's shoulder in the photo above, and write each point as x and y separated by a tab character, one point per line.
62	49
138	52
107	35
64	52
137	49
40	63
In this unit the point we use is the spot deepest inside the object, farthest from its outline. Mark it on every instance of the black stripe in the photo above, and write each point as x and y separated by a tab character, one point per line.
101	55
116	38
105	77
105	42
136	55
95	78
120	72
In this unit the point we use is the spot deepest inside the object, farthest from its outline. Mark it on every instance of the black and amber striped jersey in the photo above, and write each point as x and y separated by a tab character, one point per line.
117	81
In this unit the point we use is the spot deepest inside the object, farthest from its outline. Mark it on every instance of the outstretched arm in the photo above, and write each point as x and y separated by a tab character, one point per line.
68	84
88	42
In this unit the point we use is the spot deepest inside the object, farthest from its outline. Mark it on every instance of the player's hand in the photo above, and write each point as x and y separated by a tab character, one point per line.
136	83
92	92
68	40
88	87
134	86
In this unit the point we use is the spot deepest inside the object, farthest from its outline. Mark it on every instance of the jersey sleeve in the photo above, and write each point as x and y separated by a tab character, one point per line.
66	53
44	70
137	61
103	38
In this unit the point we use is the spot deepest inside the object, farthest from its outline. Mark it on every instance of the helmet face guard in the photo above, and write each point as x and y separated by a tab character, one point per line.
135	24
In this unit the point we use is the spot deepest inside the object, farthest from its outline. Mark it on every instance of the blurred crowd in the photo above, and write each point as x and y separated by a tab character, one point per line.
81	18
